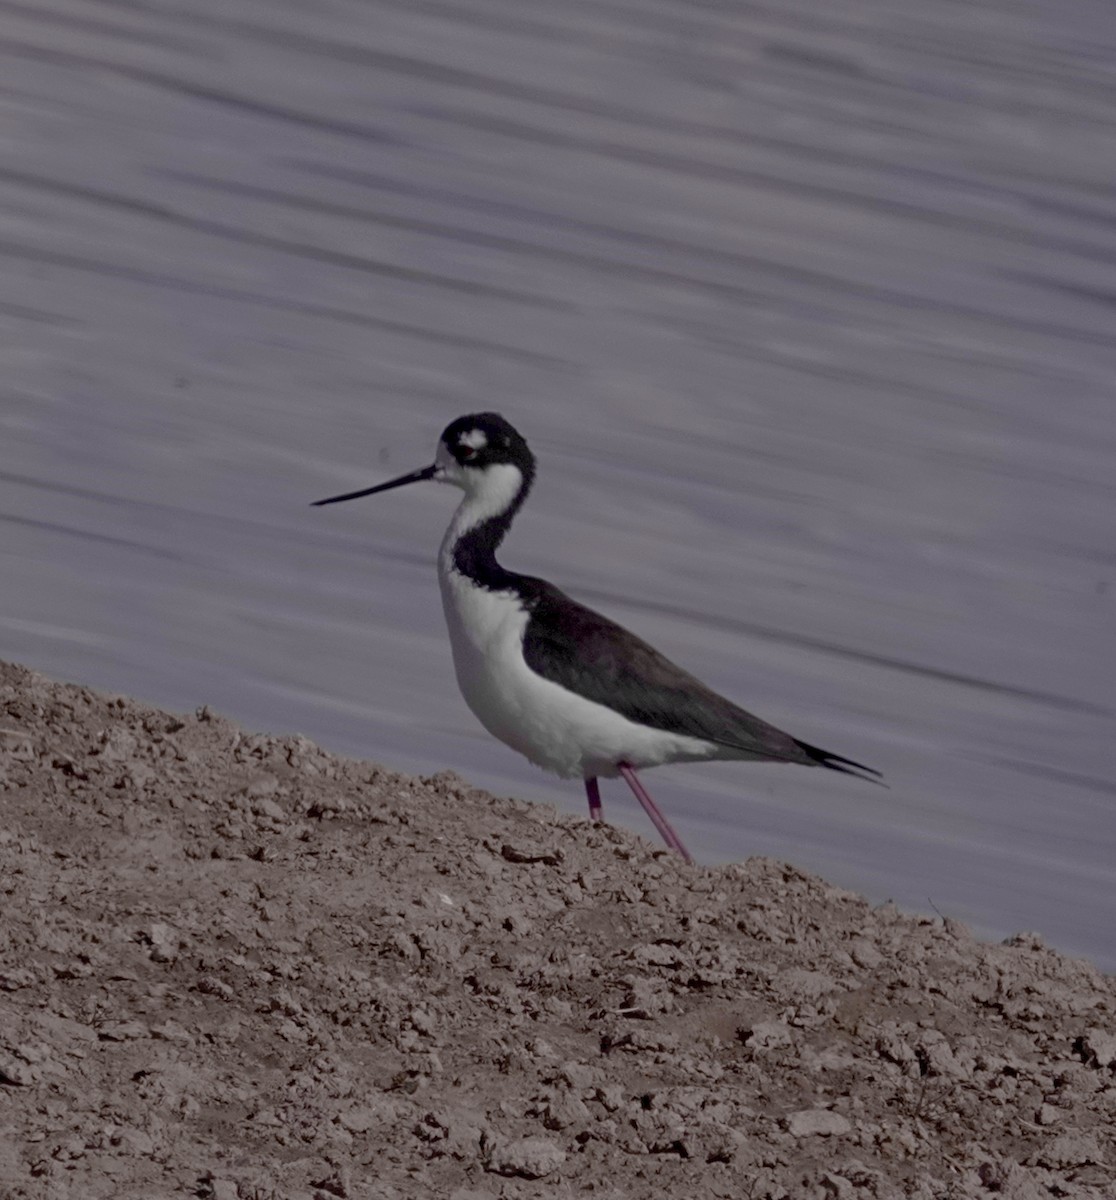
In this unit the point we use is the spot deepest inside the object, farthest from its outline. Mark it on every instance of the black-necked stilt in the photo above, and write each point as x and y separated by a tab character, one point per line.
573	691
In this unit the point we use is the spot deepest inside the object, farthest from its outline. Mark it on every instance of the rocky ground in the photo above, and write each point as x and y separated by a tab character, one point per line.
235	966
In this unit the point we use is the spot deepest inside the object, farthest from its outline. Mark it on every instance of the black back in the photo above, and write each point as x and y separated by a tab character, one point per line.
585	652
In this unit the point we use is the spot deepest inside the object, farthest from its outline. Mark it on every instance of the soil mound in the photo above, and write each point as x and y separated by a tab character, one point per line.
233	965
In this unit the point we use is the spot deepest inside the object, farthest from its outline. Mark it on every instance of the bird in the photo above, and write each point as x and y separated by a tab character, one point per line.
568	688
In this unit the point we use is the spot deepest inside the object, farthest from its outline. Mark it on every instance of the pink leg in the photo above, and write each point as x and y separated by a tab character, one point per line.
593	791
652	810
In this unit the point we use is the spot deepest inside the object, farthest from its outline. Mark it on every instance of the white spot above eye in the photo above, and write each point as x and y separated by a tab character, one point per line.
476	439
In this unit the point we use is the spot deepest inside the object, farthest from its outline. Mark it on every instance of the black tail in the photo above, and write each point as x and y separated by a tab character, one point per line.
845	765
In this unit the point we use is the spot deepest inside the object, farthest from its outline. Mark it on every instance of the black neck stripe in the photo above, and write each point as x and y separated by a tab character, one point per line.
474	552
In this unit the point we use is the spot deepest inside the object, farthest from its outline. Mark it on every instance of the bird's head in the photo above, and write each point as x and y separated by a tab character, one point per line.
482	454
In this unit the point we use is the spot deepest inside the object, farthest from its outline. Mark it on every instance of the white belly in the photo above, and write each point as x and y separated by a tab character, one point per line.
554	728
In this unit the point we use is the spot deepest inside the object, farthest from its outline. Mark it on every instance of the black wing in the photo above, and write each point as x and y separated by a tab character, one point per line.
594	657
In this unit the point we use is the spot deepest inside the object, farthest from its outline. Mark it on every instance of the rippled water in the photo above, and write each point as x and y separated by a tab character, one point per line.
806	308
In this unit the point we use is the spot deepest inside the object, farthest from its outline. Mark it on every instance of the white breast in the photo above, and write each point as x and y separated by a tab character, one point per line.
553	727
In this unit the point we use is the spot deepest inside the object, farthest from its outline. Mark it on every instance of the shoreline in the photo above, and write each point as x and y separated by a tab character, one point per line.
237	959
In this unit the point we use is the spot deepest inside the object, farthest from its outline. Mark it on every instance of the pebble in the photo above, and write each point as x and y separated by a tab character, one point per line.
819	1122
530	1158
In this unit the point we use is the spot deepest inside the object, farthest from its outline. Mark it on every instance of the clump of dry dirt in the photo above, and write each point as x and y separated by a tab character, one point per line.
236	966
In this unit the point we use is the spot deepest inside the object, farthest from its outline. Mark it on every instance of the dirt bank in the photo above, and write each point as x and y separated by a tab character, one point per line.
236	966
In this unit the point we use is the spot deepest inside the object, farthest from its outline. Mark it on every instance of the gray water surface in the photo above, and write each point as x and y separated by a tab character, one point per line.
806	308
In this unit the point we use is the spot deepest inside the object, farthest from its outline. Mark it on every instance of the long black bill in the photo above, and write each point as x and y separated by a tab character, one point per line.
413	477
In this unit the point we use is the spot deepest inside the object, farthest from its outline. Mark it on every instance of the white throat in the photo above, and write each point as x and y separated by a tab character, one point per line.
490	494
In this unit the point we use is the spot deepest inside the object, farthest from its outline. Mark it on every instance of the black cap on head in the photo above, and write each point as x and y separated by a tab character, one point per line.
485	440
